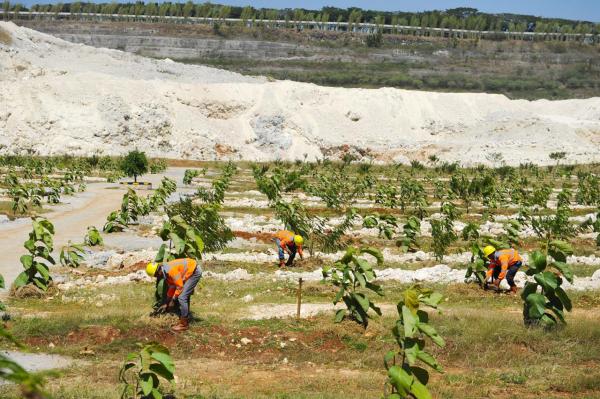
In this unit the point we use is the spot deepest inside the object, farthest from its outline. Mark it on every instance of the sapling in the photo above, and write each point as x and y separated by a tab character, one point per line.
353	275
206	220
411	230
71	255
142	372
387	225
189	175
216	194
412	331
40	247
115	222
544	300
442	230
92	237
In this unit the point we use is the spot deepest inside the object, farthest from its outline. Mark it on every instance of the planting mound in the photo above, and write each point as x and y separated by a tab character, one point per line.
58	97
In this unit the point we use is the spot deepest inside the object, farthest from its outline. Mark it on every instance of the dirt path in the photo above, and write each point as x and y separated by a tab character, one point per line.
70	220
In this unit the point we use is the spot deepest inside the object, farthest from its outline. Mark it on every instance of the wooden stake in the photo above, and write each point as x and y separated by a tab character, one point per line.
299	298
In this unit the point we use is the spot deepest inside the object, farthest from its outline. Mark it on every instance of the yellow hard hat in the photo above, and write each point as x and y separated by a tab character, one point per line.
487	251
298	240
151	268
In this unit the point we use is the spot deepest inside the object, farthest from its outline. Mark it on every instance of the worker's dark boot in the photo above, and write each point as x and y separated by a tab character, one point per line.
183	325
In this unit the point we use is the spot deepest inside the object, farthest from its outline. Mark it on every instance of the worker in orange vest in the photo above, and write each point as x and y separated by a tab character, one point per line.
290	243
182	277
504	263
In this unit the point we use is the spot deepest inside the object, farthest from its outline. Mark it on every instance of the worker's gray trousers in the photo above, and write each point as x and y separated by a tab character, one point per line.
188	290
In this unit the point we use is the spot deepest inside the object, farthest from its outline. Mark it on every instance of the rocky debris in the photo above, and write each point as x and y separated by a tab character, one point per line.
128	259
234	275
100	281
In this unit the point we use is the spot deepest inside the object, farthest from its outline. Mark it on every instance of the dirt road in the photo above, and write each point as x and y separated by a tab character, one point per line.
70	220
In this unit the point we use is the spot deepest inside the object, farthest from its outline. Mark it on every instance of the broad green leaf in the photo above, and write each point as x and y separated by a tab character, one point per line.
373	252
537	305
146	383
411	351
410	322
43	270
375	288
26	261
401	380
388	359
338	296
565	270
360	278
432	299
411	300
339	315
429	360
537	261
547	280
21	279
420	374
564	298
529	288
362	300
431	333
419	390
162	371
166	360
178	243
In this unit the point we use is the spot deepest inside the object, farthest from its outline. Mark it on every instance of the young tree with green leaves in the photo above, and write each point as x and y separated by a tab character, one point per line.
544	300
142	372
411	331
40	246
353	275
134	164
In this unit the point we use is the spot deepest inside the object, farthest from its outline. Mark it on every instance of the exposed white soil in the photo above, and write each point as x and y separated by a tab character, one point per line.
36	362
83	100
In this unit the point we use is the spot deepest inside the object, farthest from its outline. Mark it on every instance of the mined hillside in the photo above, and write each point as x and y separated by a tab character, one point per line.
518	69
58	97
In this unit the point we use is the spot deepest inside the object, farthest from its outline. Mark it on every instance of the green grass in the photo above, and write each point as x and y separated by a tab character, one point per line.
489	352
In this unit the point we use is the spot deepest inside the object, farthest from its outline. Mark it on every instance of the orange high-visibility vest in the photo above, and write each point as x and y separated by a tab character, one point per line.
504	258
285	237
177	272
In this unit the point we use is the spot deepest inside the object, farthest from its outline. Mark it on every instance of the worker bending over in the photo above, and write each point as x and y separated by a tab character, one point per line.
182	277
290	243
504	263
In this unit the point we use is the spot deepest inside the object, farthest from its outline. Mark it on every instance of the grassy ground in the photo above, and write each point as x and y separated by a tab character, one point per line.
489	352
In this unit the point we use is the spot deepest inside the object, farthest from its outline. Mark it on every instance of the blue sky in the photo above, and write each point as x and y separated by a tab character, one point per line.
588	10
